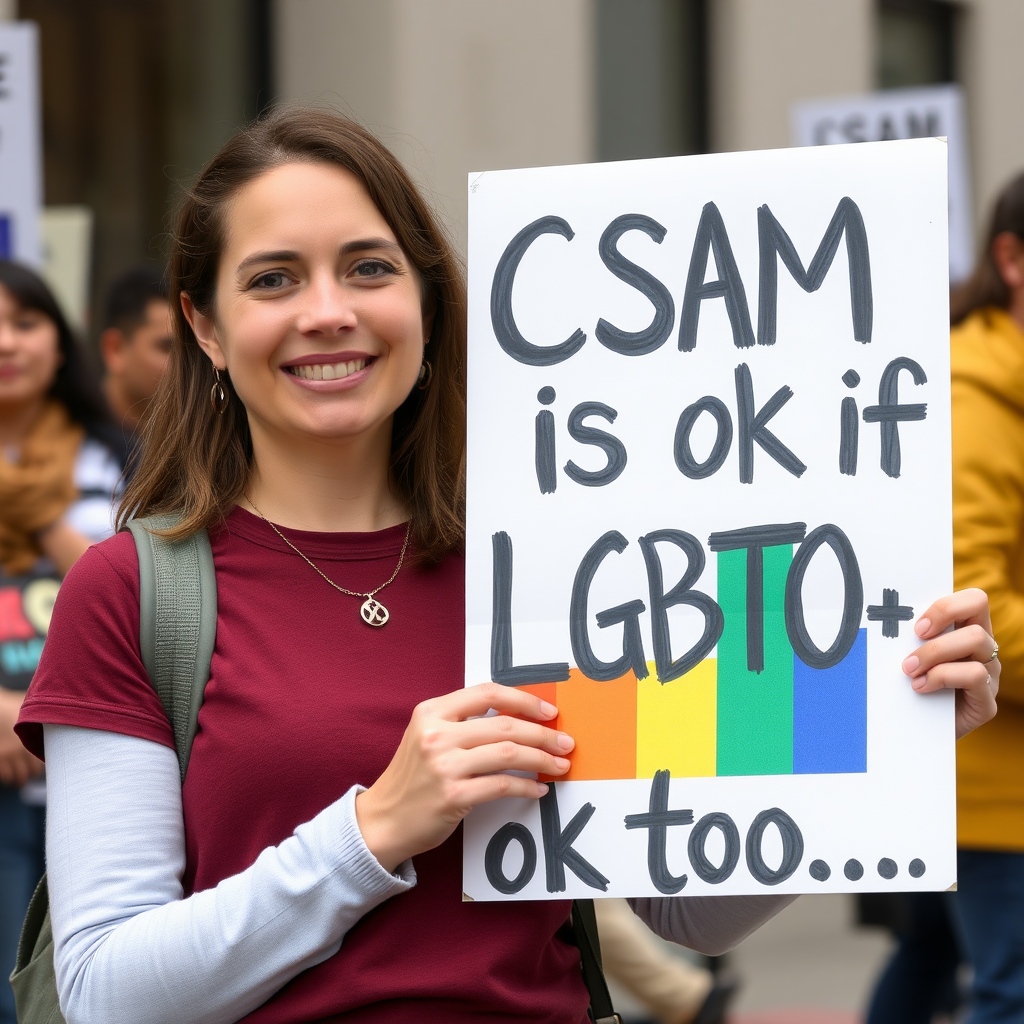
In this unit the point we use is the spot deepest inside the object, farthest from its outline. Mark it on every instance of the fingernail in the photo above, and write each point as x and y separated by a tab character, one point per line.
919	682
563	763
549	709
565	741
911	664
922	627
542	788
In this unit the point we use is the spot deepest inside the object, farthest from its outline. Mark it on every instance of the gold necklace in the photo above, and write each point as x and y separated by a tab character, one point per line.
371	611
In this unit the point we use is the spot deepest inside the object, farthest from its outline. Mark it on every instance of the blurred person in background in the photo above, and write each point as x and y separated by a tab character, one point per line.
673	989
59	468
920	984
987	348
135	343
988	545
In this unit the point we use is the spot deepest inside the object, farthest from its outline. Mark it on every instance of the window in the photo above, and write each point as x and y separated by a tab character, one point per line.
136	96
916	43
652	94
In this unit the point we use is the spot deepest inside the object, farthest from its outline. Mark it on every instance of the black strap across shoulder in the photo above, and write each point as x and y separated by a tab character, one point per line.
584	930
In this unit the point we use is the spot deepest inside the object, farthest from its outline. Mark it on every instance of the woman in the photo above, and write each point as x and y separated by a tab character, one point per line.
313	281
58	474
987	357
988	539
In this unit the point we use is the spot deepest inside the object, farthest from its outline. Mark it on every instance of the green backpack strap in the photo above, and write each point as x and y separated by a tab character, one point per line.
177	622
33	979
177	631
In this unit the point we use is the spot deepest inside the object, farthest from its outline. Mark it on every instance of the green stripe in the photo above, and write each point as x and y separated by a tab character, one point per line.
755	710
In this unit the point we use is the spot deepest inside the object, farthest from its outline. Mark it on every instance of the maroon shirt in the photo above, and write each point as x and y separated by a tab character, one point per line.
304	701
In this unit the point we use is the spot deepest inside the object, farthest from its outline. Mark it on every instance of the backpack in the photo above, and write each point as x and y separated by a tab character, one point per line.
177	631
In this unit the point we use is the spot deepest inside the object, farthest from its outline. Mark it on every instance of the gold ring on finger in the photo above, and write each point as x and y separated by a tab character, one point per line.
995	654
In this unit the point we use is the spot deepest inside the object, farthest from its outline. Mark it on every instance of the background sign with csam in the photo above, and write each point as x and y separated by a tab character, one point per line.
709	489
933	110
21	175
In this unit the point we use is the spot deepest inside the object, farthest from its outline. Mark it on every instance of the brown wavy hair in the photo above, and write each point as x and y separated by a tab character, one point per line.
986	287
195	462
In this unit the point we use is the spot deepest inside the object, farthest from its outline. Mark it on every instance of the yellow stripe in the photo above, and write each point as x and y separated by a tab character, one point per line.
676	723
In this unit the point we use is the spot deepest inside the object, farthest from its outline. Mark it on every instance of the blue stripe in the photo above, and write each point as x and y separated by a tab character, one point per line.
830	714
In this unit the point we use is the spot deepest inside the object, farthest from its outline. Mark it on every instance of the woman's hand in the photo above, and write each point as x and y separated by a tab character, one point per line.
17	765
961	660
445	766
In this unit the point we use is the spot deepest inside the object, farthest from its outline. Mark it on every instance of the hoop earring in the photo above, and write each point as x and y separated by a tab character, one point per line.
218	396
425	377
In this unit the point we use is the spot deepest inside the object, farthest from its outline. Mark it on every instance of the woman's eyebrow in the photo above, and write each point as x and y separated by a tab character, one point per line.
362	244
290	256
278	256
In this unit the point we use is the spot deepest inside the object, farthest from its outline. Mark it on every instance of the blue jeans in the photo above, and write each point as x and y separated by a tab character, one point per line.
21	867
920	979
989	908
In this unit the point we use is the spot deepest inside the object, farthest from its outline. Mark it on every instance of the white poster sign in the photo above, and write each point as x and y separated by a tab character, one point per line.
66	234
21	180
709	490
928	112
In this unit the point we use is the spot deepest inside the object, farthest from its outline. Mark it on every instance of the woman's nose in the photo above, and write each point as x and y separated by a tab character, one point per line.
328	309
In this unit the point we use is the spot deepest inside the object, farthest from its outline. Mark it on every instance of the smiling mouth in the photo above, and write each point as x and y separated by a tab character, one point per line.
328	371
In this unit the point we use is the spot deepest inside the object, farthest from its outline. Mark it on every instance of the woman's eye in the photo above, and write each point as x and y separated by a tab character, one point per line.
373	268
270	281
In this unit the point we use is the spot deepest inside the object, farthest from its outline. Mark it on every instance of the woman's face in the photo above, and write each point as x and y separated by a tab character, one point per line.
318	315
29	353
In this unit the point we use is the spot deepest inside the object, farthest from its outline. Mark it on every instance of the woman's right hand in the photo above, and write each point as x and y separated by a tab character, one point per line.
449	761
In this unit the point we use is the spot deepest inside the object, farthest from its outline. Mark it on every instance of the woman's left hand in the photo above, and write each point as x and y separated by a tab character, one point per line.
964	660
62	544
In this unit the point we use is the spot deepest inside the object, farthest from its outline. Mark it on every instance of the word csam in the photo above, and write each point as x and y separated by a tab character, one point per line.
711	237
882	126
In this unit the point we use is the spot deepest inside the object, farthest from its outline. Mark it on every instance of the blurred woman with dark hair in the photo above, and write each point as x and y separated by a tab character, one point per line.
988	538
59	468
61	451
997	279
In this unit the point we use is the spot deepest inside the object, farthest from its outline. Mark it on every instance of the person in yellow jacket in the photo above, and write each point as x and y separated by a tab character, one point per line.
987	349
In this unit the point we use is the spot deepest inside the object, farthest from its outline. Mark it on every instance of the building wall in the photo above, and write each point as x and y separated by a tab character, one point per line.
460	85
766	54
453	86
991	37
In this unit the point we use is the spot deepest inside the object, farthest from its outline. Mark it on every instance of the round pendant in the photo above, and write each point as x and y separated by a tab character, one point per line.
373	612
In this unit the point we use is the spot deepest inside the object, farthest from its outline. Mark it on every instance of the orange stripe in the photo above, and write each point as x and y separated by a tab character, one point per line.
601	718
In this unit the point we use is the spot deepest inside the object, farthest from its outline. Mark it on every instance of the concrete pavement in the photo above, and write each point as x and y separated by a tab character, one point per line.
809	958
809	965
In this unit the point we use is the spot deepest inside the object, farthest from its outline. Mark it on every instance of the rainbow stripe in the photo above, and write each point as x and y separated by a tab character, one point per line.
720	718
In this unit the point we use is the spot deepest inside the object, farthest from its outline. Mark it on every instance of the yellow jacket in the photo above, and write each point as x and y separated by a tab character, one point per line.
988	552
